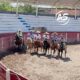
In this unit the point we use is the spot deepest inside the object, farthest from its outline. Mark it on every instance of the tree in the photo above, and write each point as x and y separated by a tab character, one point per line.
29	9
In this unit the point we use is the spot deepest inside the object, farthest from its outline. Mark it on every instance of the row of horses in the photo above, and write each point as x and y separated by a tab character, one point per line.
47	46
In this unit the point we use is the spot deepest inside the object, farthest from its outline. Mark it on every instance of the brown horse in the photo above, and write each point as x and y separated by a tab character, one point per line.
29	43
54	45
38	44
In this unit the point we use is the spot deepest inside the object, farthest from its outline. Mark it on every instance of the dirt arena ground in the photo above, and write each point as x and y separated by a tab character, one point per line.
46	68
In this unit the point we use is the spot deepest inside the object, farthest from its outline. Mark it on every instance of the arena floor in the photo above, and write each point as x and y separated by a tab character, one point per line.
46	68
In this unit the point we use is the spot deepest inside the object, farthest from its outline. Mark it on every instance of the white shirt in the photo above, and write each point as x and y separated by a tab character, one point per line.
37	36
46	36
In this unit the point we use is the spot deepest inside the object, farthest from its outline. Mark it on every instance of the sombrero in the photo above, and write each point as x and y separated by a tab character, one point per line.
37	31
54	33
46	33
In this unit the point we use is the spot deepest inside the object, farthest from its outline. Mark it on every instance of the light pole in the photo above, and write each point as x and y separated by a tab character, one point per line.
17	7
36	7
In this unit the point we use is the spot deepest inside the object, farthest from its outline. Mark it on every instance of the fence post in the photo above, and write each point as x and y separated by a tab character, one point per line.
77	36
7	74
10	41
2	43
66	37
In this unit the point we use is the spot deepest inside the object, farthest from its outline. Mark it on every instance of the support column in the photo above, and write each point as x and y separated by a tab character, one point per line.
77	36
66	37
2	43
56	10
75	13
17	7
36	10
8	74
36	7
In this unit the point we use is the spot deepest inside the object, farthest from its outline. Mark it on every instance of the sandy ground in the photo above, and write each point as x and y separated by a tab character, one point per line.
46	68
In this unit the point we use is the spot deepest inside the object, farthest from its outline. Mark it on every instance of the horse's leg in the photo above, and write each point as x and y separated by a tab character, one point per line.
65	53
30	50
41	49
61	53
48	50
37	49
51	51
54	51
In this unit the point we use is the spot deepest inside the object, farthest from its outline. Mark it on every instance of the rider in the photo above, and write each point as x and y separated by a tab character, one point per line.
55	37
62	39
46	36
19	34
37	36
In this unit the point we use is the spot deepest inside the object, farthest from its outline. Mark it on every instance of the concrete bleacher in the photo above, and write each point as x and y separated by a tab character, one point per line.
10	23
51	24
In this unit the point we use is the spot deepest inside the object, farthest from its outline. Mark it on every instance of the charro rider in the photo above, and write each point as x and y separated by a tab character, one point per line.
19	35
46	36
37	36
54	37
62	39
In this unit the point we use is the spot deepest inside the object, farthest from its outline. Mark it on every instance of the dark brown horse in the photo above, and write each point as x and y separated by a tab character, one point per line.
54	45
62	48
19	42
46	46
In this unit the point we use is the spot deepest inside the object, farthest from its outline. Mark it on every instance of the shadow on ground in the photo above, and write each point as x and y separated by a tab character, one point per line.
11	51
67	59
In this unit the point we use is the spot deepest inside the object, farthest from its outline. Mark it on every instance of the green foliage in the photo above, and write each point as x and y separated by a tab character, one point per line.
28	9
22	9
5	7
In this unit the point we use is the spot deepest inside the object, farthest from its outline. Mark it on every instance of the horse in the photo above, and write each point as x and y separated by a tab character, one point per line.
20	43
37	44
62	47
46	46
29	43
54	45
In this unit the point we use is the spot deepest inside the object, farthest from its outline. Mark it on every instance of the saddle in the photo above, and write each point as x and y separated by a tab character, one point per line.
19	40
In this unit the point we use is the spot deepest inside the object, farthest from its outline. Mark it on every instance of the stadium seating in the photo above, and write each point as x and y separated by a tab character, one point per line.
51	23
9	23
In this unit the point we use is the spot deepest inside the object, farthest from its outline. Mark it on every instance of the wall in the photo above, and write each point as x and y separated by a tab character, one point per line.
7	40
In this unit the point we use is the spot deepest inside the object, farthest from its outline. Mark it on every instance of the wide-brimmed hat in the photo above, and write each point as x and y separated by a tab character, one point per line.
54	33
46	33
37	31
